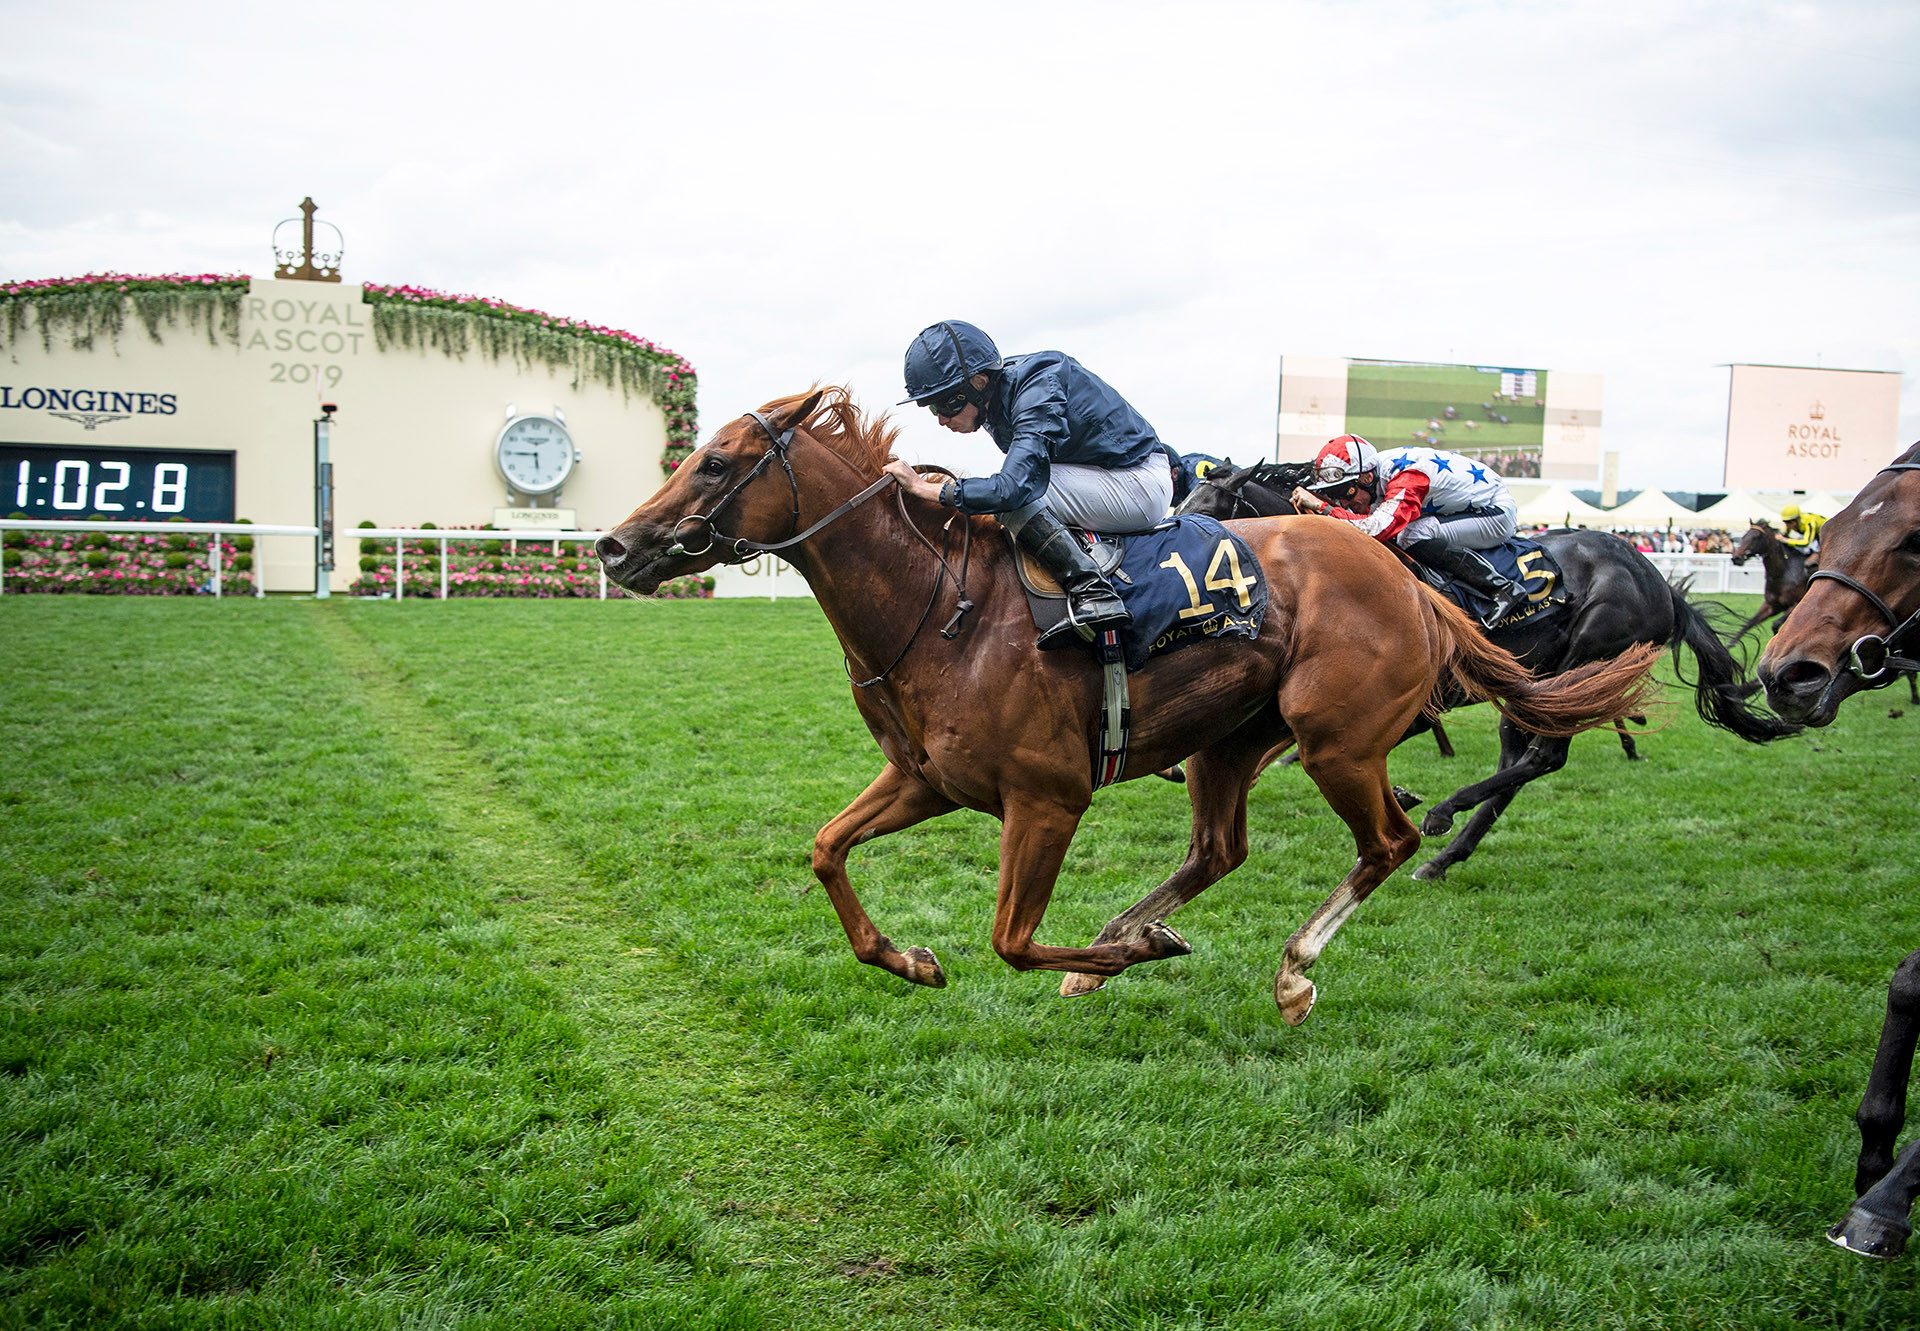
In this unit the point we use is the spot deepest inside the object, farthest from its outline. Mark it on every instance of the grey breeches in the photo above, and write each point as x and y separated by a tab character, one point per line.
1097	499
1462	531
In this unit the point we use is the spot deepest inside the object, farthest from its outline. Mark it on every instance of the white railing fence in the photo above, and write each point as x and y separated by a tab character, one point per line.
757	577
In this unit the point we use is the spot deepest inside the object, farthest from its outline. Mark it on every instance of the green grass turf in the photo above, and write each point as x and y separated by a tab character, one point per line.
430	964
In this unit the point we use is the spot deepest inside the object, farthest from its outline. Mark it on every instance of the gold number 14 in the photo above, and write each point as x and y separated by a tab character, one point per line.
1234	581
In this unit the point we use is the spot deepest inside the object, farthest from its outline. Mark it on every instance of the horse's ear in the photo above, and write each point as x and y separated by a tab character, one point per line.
800	412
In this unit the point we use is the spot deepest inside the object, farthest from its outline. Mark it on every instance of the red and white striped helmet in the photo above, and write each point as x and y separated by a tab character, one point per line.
1346	461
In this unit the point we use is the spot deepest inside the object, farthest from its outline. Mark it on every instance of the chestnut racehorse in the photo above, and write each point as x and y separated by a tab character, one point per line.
1858	627
975	716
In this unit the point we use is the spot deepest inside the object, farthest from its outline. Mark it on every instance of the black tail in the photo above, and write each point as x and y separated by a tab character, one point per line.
1722	689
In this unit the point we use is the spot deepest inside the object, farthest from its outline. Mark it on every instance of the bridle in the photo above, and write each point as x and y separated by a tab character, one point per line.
741	549
1874	660
1253	475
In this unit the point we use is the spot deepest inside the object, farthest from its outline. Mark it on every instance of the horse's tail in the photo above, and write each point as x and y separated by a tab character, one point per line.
1721	691
1596	694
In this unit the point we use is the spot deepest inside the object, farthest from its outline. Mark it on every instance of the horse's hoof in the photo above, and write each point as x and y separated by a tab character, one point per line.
1406	799
924	968
1431	872
1165	941
1294	995
1870	1235
1076	985
1438	822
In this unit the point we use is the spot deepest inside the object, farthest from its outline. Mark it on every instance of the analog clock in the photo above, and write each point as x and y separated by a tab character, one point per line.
535	454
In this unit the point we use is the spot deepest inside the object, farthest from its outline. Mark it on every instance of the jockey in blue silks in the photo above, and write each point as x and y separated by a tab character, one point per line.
1077	455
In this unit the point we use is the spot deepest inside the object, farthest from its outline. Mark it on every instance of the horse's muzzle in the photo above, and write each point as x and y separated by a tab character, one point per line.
1801	689
631	560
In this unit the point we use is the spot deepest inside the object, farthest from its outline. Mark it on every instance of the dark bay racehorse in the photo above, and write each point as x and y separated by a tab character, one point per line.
987	721
1858	627
1786	570
1616	600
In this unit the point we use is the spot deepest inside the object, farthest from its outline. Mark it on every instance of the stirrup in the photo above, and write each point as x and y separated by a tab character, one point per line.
1087	629
1504	604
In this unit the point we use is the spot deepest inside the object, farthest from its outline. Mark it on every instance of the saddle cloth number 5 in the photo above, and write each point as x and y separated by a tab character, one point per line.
1234	581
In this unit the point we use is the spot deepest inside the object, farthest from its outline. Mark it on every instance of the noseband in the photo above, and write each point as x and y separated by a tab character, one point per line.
1874	660
741	548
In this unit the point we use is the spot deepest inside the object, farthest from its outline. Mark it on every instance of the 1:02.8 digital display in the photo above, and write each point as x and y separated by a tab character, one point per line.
123	484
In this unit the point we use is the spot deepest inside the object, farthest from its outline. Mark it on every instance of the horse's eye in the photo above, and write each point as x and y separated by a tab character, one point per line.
1912	544
714	467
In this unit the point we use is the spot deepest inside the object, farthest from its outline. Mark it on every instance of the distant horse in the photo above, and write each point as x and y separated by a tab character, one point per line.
1858	627
1616	599
989	722
1786	570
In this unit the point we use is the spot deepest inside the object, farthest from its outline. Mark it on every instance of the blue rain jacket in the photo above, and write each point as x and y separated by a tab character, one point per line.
1047	407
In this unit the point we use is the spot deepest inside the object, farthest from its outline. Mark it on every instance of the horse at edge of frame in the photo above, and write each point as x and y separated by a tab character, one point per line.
1856	629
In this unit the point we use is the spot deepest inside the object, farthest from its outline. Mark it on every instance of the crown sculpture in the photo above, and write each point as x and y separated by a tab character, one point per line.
307	264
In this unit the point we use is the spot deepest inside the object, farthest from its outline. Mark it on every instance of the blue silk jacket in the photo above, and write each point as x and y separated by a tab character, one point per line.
1046	407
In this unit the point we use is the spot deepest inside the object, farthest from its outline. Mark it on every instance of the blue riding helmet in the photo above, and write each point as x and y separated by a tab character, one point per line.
946	355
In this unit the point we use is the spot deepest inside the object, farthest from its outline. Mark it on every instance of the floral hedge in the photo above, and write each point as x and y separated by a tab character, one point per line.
411	316
85	307
163	564
483	565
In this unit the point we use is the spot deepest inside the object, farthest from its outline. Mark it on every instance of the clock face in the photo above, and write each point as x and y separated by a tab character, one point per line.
535	454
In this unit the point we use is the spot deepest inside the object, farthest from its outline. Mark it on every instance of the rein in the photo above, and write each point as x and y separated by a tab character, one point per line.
1874	660
743	549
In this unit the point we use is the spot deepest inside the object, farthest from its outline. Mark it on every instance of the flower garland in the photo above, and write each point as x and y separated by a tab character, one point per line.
97	303
410	316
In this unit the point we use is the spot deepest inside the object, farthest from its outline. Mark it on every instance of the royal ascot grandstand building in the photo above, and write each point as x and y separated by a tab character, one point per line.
196	398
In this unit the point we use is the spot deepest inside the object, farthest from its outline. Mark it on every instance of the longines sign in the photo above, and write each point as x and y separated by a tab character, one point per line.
91	407
1791	428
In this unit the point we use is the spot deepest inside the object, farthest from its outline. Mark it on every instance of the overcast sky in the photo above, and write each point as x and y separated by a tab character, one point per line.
1176	194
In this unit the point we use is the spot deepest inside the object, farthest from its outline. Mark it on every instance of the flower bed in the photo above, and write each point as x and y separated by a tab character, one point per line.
163	564
482	565
417	316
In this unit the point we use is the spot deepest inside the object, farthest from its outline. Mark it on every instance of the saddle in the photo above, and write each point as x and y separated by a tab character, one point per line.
1187	580
1521	561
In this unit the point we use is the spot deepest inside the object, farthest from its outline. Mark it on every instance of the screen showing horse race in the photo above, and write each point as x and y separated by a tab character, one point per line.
1522	422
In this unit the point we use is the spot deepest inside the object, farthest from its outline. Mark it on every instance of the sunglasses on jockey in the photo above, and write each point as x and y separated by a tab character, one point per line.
950	403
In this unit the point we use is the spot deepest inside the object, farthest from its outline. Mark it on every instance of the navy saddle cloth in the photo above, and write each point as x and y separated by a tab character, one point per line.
1186	581
1523	562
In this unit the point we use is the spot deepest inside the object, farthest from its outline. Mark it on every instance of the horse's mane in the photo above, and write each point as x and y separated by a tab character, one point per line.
839	423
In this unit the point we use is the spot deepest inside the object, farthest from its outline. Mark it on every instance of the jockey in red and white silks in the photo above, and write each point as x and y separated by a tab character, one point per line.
1442	508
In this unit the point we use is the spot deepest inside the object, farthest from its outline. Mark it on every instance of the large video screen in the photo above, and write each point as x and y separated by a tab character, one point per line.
1494	415
1524	423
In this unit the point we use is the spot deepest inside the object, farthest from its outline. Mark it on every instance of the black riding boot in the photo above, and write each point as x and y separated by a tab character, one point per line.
1092	603
1472	568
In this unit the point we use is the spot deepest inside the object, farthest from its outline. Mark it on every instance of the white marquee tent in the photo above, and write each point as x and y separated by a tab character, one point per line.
1650	509
1557	506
